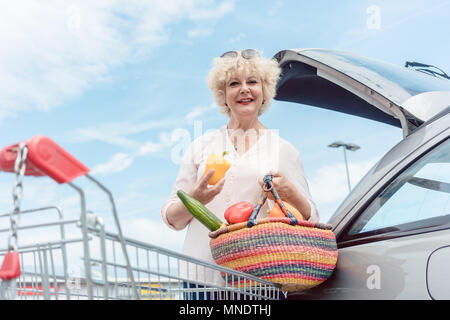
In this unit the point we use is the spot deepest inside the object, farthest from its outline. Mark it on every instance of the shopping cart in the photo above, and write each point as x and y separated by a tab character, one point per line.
79	259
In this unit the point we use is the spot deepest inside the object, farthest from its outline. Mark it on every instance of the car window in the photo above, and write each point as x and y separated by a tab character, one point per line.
420	193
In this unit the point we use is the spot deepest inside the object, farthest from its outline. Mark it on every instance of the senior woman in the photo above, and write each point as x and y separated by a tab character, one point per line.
243	84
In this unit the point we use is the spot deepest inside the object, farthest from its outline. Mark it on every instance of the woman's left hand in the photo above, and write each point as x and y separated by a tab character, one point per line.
286	190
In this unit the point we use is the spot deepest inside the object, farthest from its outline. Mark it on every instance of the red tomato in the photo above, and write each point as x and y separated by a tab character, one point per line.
239	212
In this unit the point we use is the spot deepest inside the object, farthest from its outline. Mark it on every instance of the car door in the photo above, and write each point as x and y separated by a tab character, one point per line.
395	242
397	246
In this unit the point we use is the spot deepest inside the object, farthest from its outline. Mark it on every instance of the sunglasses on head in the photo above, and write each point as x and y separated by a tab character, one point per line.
246	54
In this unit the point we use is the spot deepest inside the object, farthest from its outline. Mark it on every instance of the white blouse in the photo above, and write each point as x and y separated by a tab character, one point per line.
270	152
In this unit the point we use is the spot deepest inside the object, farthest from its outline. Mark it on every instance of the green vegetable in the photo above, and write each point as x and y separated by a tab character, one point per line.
199	211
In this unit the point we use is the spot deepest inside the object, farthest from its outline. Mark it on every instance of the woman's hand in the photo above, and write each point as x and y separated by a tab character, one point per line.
286	190
202	192
289	193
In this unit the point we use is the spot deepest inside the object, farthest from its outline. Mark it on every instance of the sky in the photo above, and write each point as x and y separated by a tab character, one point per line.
112	82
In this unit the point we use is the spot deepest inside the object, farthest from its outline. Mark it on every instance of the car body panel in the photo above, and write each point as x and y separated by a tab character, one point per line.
391	269
438	262
428	104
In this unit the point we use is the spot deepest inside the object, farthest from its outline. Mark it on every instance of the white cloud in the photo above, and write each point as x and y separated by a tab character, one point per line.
278	4
238	38
46	62
56	50
199	111
118	162
121	161
115	132
150	147
211	14
388	16
200	32
100	135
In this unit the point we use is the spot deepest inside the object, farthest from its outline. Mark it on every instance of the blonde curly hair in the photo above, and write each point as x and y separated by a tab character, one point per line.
224	68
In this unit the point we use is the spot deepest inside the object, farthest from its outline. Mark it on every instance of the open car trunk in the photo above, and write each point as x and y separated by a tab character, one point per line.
360	86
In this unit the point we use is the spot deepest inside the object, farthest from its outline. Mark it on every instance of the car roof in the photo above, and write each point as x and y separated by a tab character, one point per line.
360	86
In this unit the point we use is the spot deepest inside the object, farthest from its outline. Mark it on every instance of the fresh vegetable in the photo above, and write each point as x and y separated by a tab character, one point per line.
220	166
199	211
239	212
277	212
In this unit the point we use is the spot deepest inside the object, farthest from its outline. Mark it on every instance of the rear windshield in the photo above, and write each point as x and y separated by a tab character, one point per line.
394	82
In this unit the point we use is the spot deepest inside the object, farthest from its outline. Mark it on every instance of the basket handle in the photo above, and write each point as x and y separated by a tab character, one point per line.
268	187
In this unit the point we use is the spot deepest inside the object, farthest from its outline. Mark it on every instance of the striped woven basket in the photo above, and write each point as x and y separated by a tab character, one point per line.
298	256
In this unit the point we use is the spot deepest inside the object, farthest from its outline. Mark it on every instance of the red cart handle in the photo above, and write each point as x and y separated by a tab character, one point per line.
11	266
45	157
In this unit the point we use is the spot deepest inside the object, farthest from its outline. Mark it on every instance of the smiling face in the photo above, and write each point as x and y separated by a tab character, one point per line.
244	93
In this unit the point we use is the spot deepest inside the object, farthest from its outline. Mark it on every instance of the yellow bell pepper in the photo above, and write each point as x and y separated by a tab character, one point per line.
220	166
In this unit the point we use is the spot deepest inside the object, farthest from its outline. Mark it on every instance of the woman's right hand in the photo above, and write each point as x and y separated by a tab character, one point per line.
202	192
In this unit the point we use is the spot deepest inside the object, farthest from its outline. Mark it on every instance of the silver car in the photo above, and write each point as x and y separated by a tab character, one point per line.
393	229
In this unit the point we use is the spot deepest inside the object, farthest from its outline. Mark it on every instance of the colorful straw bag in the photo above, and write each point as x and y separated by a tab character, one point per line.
296	254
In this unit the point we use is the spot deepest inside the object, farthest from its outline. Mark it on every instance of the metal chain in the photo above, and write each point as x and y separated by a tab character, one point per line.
19	169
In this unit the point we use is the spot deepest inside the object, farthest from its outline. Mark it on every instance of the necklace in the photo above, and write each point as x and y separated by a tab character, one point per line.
235	144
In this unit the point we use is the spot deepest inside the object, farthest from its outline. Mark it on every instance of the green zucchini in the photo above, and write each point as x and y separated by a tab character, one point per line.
199	211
